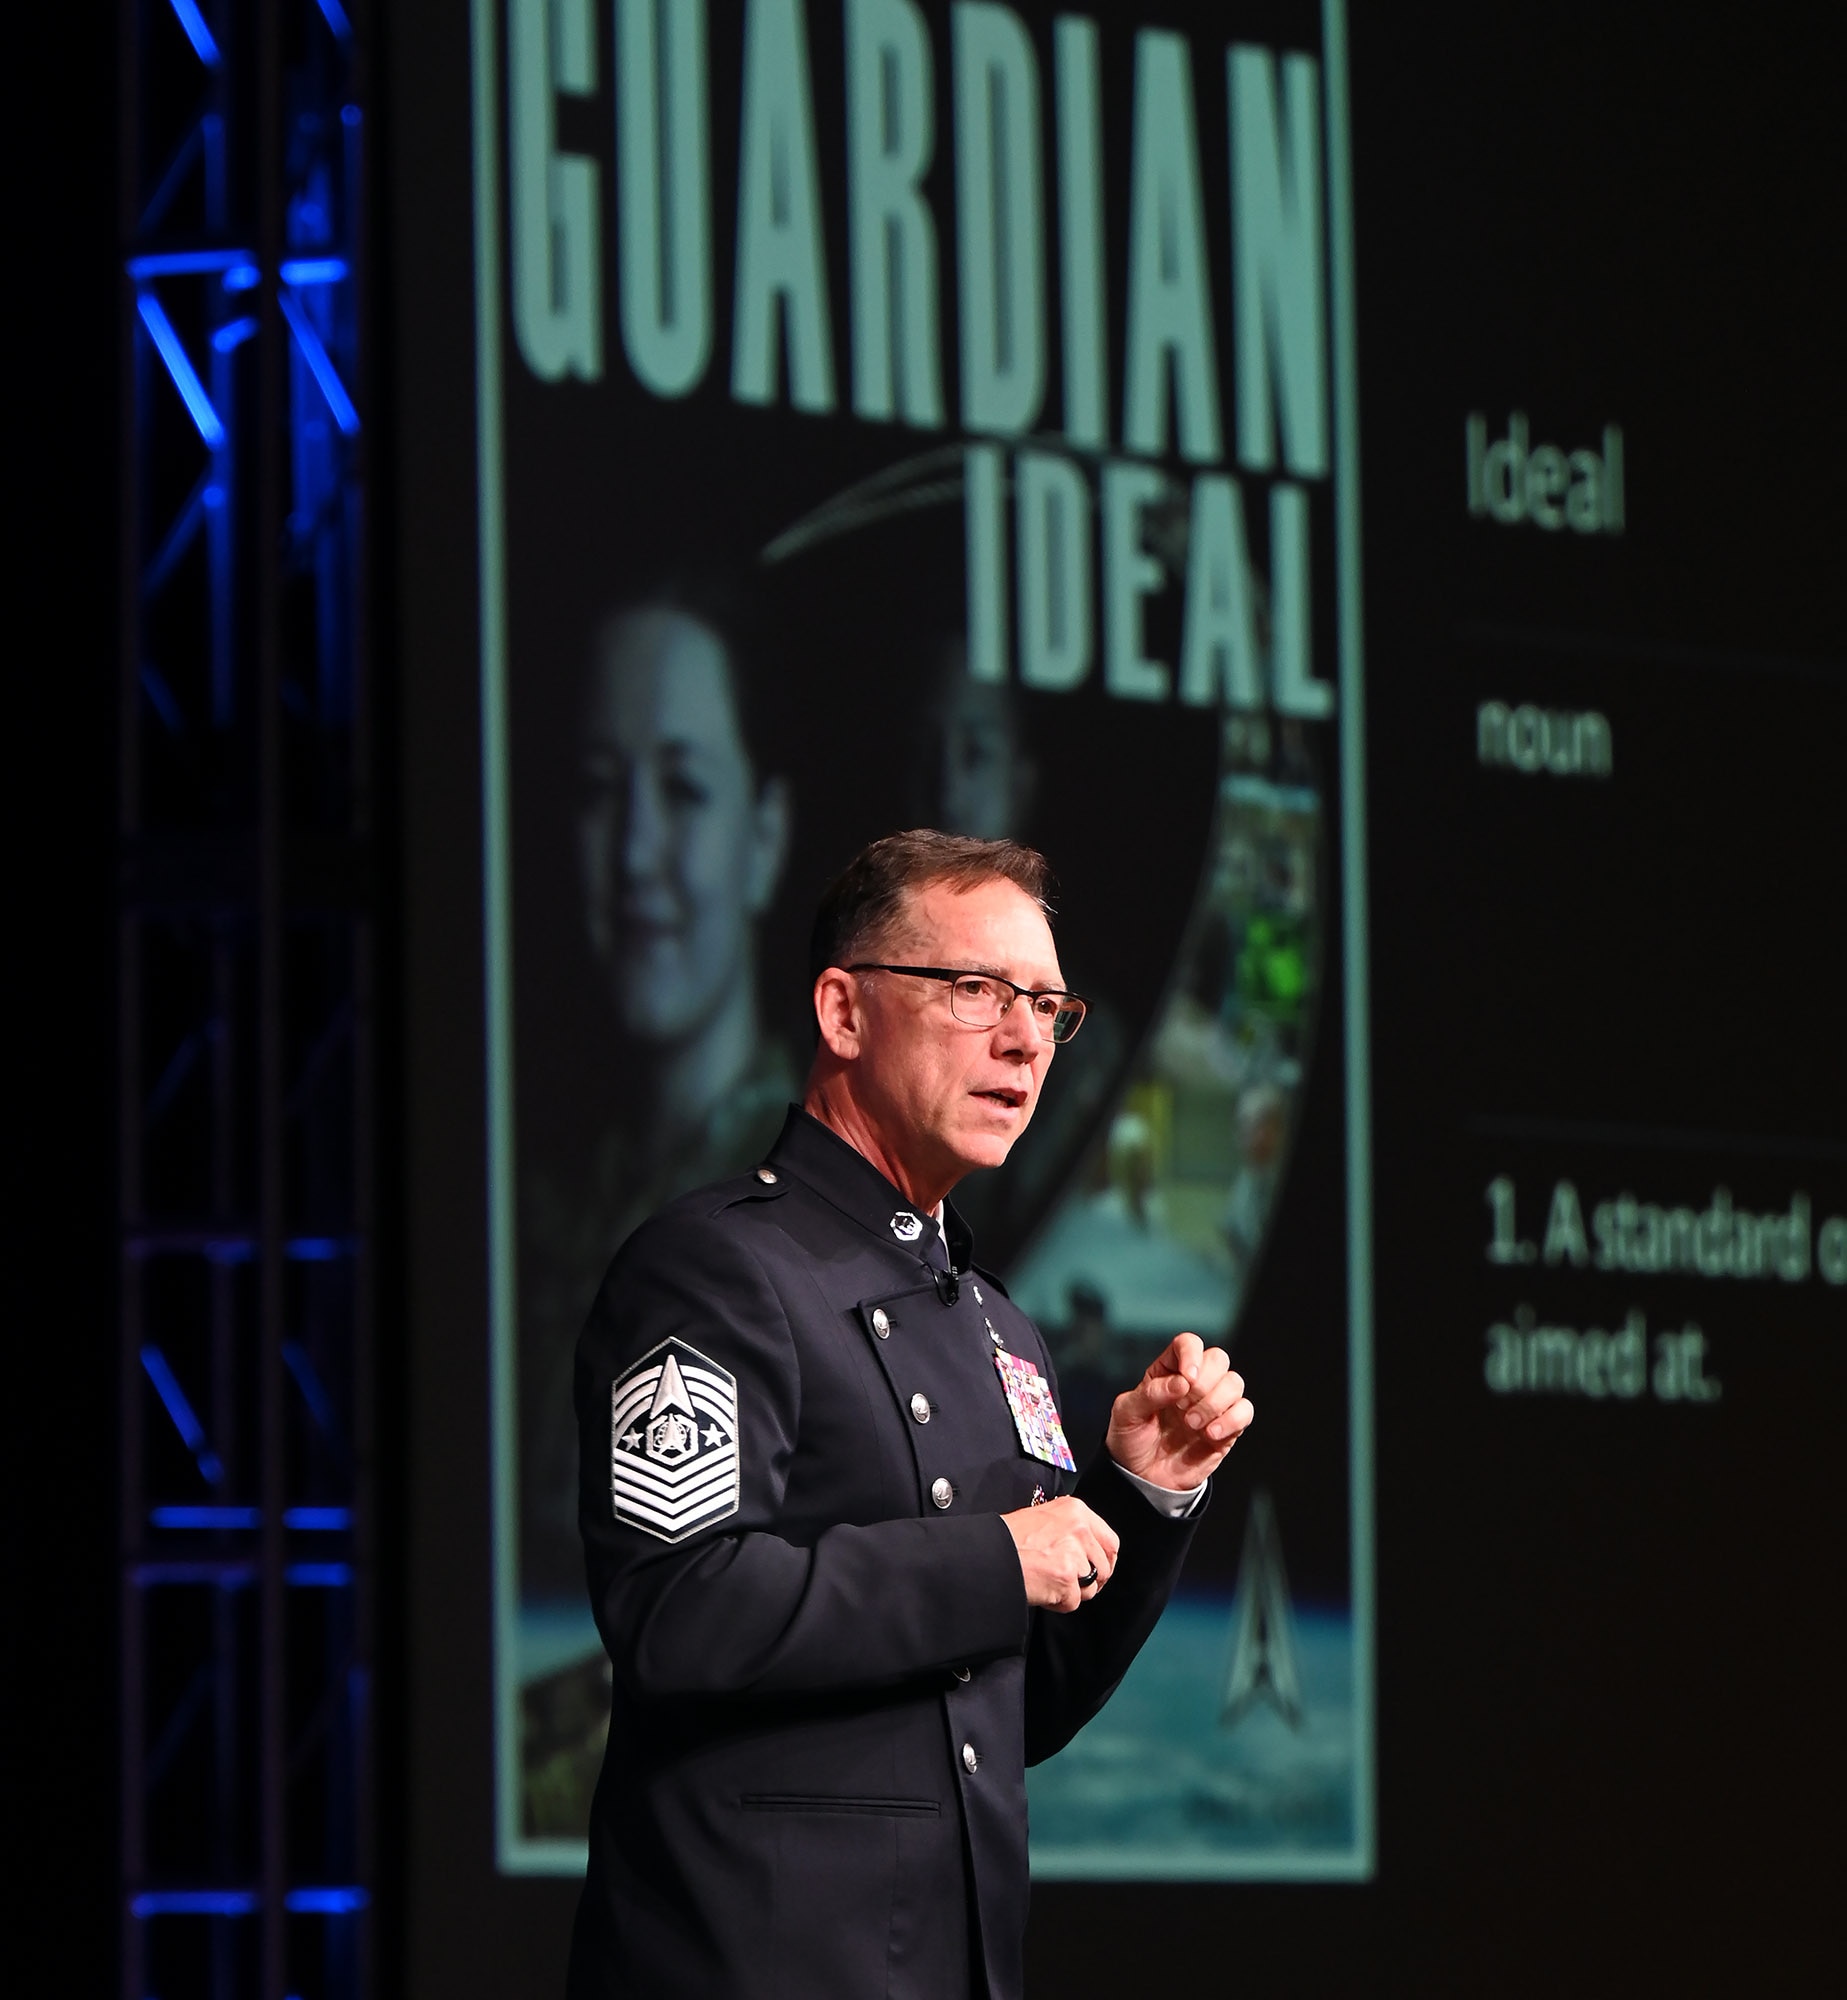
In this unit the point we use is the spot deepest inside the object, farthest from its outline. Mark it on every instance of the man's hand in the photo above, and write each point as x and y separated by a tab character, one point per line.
1059	1543
1178	1422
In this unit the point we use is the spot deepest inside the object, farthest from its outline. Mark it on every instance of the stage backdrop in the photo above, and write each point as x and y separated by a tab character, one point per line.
814	417
941	415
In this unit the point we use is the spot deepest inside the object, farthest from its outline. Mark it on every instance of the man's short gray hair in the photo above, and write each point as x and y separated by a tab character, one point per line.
867	900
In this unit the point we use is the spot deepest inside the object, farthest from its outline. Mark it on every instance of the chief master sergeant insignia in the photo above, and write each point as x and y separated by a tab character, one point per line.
673	1443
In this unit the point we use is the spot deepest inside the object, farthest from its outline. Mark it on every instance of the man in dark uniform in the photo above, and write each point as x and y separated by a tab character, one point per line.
847	1574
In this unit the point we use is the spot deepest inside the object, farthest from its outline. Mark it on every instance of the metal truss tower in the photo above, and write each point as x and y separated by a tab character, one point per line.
245	955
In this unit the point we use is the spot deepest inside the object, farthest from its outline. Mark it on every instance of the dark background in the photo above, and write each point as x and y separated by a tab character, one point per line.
1610	1642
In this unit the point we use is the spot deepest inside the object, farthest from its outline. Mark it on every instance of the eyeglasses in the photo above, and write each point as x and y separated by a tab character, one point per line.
982	999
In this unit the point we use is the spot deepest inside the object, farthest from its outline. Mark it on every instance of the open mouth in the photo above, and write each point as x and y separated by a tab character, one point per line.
1011	1100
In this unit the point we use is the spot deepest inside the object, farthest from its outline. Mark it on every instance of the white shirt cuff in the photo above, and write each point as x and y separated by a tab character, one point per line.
1176	1505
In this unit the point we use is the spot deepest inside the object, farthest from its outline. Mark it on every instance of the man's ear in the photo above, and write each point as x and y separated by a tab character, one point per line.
839	1013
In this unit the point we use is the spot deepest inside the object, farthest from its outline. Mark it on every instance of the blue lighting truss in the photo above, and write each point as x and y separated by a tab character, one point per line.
245	1029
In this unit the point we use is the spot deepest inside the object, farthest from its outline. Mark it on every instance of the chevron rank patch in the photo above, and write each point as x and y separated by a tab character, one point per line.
673	1443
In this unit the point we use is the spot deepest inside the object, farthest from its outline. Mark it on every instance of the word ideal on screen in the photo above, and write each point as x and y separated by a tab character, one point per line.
1079	515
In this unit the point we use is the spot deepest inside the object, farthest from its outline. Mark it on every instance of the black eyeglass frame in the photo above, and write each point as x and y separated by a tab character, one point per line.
952	974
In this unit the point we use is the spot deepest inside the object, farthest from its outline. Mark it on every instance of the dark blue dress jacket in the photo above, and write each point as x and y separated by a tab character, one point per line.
795	1453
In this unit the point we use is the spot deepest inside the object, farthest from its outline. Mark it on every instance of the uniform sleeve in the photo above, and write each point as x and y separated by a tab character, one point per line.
731	1606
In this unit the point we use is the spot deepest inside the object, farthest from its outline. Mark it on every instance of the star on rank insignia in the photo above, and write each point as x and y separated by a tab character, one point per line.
673	1443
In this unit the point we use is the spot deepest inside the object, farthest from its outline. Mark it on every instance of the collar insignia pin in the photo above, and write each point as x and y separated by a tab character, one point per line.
906	1227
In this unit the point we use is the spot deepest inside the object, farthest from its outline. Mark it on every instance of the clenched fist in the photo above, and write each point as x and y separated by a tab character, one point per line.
1060	1543
1178	1422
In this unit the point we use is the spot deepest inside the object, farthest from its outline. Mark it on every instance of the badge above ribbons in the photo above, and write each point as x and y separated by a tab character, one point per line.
673	1443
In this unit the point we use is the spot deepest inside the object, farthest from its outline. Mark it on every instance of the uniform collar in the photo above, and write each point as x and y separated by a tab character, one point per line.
842	1175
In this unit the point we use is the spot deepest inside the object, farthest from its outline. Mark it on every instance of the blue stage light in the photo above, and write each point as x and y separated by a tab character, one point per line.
162	698
194	1903
327	1902
319	1249
335	16
313	1389
319	1576
314	270
233	334
320	364
178	539
183	263
301	1520
197	33
185	380
185	1419
206	1517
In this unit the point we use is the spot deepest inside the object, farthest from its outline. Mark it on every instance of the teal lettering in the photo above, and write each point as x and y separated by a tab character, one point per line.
1129	575
1218	653
1565	1239
1277	278
1080	229
1295	689
557	284
1170	305
892	238
1584	500
1545	481
986	563
1503	472
1000	221
1052	509
780	266
664	205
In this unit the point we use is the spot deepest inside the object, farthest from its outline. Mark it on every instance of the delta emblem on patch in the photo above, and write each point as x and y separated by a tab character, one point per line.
673	1443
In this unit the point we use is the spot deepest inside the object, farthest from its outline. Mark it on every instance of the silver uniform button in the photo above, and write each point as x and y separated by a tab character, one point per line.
970	1758
765	1175
942	1493
881	1323
920	1407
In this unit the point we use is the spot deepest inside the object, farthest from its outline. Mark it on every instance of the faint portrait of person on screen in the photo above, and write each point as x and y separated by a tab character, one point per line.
681	833
681	843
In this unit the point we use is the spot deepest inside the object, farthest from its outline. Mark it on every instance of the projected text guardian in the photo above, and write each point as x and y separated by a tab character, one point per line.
1056	518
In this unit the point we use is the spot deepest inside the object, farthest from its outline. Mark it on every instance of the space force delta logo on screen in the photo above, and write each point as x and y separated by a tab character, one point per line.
899	413
1008	231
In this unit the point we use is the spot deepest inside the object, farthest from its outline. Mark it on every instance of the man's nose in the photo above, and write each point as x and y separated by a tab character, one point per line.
1016	1036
